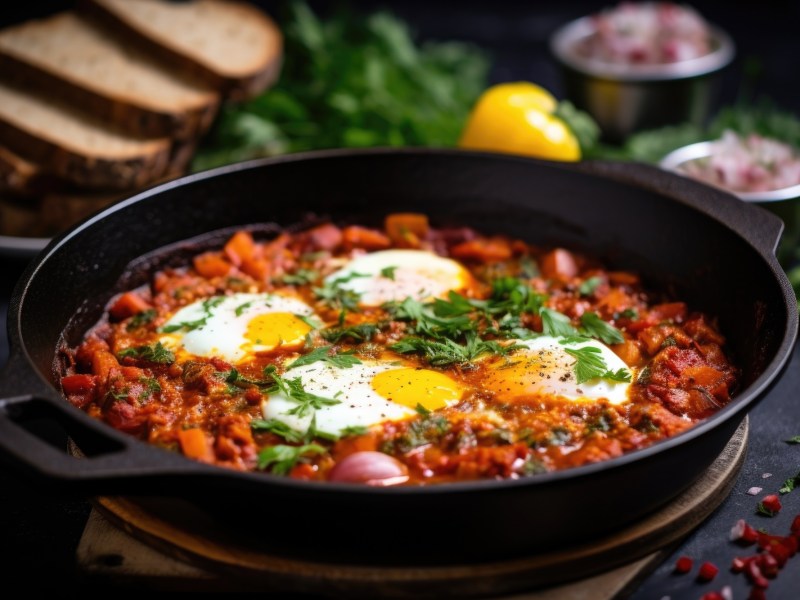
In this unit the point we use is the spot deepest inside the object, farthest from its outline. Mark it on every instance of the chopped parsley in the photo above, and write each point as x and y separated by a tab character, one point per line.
342	360
589	364
588	287
556	324
277	427
790	484
299	277
141	319
362	332
595	327
151	387
354	430
448	352
242	307
388	272
293	390
793	440
283	459
336	296
209	304
156	353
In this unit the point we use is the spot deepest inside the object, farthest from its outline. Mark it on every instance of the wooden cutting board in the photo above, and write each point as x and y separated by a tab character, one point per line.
169	544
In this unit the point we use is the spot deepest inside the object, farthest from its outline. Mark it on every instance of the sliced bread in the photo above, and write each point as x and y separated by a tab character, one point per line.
70	56
232	45
71	144
21	176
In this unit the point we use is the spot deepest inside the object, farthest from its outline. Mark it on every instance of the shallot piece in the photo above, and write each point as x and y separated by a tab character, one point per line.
370	468
647	33
754	491
743	533
747	164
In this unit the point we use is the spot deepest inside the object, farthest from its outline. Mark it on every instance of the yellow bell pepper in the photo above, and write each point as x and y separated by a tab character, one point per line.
517	118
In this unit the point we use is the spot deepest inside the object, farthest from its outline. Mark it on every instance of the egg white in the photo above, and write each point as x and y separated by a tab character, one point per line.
415	274
543	367
359	403
223	331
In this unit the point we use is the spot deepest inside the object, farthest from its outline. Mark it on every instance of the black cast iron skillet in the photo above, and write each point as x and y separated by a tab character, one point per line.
698	243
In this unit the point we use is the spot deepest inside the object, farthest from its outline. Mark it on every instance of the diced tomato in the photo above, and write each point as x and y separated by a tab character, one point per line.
102	364
362	237
558	264
211	264
303	471
196	444
240	248
707	571
483	250
127	305
407	229
683	564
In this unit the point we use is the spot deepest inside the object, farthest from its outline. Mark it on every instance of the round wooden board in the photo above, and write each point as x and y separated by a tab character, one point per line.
182	531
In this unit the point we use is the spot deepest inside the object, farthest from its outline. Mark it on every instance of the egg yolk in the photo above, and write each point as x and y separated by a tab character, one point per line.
277	329
410	387
526	375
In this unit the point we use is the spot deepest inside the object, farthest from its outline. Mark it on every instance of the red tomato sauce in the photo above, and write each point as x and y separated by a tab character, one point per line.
210	409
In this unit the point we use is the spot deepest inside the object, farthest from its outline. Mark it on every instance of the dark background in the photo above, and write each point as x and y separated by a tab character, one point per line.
41	531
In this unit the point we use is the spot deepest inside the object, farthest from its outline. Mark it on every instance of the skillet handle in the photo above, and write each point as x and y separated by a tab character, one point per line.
113	462
755	224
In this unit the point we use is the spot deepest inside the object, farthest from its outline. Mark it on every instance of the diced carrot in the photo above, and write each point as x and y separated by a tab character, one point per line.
78	384
623	278
407	229
240	248
102	363
482	249
211	264
195	444
558	264
629	352
257	268
362	237
325	237
706	377
127	305
303	471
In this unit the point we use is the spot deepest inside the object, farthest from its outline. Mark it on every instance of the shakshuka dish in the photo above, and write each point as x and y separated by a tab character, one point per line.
407	355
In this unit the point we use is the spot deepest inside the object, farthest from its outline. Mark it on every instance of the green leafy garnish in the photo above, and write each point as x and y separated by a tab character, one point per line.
140	319
790	484
388	272
449	352
293	390
336	296
587	287
351	81
208	305
353	430
589	364
299	277
763	510
557	324
595	327
277	427
363	332
793	440
283	458
156	353
151	387
342	360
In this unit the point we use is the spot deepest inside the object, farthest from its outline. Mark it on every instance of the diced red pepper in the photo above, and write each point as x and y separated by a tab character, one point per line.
772	503
707	571
683	564
712	596
795	528
127	305
755	576
743	533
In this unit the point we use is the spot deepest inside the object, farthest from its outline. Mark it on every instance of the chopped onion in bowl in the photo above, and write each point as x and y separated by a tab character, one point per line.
746	164
648	33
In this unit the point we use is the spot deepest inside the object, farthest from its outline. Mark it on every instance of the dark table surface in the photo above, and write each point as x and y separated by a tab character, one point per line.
40	530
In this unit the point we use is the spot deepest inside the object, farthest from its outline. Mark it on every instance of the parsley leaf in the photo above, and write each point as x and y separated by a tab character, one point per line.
587	287
793	440
388	272
336	296
362	332
277	427
621	374
299	277
283	458
293	390
140	319
353	430
208	305
448	352
156	353
557	324
594	326
343	360
763	510
790	484
589	363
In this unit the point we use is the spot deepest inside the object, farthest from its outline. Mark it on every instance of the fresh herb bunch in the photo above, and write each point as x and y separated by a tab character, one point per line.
352	81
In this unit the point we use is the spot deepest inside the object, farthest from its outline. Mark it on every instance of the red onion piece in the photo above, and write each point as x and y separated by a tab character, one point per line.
370	468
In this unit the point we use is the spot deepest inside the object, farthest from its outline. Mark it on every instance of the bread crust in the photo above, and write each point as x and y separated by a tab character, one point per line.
235	88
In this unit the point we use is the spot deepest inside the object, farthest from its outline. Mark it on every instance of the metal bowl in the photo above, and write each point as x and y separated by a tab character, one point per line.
624	99
783	202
